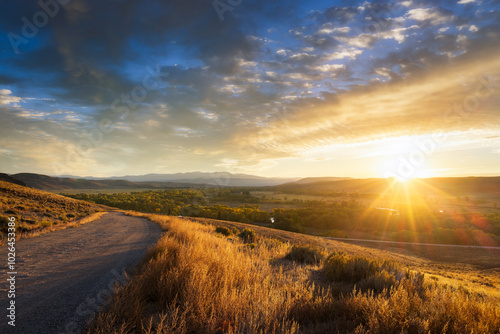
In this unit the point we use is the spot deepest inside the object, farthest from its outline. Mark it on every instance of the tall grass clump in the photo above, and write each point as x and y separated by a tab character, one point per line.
247	235
305	254
340	266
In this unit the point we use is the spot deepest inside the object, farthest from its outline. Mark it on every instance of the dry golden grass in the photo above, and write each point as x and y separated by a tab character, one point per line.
198	281
38	212
50	228
476	269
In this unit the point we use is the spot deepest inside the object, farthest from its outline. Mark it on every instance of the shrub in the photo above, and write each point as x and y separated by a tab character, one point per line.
343	267
248	235
378	282
305	254
223	230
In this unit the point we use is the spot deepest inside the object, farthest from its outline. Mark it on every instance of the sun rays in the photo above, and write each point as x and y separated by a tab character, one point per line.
423	211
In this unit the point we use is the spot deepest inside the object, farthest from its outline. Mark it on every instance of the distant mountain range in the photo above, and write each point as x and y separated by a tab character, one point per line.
309	180
216	178
310	185
153	181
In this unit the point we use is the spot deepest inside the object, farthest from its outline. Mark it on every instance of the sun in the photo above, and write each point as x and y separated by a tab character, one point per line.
403	179
402	159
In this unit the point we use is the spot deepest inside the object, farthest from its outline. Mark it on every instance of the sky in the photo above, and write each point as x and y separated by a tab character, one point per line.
272	88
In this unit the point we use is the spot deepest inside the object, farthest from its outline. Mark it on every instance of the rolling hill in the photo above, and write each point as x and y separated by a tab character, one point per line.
37	211
50	183
150	181
10	179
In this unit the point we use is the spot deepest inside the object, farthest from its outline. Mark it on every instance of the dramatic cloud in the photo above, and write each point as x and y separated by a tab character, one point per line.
123	87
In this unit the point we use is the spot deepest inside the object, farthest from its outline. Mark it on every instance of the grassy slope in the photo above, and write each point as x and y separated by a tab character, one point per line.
478	269
39	212
198	281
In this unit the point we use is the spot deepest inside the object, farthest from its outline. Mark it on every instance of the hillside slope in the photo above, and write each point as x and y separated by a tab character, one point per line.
36	211
49	183
204	279
10	179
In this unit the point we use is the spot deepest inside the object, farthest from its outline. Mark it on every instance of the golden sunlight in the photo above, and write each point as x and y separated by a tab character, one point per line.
403	158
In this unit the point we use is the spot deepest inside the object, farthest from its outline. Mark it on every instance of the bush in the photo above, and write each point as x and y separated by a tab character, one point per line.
223	230
305	254
227	231
378	282
248	235
343	267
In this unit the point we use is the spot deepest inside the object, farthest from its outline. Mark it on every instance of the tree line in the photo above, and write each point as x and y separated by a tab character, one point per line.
417	223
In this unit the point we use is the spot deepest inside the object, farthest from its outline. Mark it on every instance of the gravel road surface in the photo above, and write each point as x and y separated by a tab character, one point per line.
64	276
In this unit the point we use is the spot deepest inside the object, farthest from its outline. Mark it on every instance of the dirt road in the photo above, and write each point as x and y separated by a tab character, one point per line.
64	276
